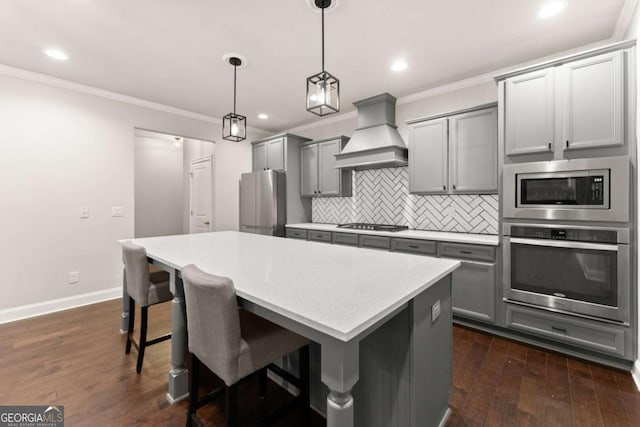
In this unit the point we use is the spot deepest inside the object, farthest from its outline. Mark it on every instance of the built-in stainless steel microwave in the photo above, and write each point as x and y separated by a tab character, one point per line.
579	190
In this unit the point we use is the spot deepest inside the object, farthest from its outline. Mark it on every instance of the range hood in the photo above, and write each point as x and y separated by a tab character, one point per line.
376	142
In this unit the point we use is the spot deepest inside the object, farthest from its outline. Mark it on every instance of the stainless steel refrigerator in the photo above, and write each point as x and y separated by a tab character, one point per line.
263	202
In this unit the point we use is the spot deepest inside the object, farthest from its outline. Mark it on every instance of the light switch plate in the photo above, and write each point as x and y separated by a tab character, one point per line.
435	311
117	211
84	212
74	277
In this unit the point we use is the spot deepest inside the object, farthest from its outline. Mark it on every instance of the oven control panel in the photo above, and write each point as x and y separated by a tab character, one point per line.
573	234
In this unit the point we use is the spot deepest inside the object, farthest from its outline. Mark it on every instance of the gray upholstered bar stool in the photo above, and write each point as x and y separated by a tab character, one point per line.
145	289
235	344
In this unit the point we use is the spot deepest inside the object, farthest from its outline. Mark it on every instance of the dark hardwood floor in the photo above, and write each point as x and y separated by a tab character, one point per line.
76	358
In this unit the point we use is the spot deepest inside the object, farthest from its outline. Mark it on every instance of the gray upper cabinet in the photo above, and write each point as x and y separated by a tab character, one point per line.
428	157
455	154
530	112
259	157
594	101
268	155
309	170
318	175
570	108
474	151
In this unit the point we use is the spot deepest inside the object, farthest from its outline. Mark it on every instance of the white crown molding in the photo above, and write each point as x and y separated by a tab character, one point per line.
114	96
46	307
624	20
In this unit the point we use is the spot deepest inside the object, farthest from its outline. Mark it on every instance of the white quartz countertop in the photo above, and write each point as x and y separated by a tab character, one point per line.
441	236
338	290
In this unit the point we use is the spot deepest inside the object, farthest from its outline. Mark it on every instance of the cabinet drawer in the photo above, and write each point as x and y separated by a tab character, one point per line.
320	236
593	335
376	242
296	233
473	252
425	247
345	239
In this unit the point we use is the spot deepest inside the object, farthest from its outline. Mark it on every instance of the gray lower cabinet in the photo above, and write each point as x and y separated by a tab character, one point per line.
348	239
584	333
473	285
473	291
413	246
375	242
296	233
320	236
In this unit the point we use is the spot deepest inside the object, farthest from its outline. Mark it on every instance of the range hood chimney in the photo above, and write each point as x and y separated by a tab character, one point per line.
376	142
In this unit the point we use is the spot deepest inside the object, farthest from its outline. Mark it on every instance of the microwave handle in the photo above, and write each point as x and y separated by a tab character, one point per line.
564	244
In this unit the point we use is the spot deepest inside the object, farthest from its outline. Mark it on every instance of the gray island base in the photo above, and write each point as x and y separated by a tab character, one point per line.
384	333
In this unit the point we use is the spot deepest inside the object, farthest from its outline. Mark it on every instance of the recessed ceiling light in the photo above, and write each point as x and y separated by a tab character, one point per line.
551	8
56	54
263	116
399	65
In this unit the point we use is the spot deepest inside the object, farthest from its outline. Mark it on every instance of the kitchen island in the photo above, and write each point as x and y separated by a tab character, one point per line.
382	320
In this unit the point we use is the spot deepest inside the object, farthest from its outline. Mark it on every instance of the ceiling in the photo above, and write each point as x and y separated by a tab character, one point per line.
170	52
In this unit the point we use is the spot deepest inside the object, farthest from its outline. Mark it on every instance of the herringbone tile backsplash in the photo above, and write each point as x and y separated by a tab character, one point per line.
381	196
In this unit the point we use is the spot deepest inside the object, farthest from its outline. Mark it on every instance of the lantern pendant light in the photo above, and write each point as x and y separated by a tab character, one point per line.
234	126
323	89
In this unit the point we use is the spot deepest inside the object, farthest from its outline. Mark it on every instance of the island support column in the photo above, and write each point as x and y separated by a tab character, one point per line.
179	375
340	372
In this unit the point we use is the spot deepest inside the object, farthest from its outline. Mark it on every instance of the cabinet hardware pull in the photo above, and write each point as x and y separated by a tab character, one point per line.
567	143
444	187
414	246
555	328
464	251
549	146
454	186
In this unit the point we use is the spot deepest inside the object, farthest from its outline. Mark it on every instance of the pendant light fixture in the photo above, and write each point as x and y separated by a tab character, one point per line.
323	89
234	126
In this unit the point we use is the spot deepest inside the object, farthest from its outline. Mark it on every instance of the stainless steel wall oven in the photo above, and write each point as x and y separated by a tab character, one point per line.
579	270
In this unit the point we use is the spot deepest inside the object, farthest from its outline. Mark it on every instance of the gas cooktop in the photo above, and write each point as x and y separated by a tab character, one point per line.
374	227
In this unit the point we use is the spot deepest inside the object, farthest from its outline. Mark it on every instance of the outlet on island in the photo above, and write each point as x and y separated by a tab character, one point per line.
435	311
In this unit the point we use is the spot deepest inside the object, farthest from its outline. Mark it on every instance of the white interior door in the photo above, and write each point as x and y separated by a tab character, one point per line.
200	196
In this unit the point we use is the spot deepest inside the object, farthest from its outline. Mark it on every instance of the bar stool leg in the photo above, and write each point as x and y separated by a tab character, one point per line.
262	383
132	312
305	385
143	337
231	394
193	395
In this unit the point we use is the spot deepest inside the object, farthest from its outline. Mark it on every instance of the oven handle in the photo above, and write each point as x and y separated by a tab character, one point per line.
565	244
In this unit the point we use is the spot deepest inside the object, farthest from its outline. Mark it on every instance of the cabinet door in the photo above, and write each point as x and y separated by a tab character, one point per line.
428	157
473	291
474	151
259	154
309	170
530	113
275	154
328	175
594	101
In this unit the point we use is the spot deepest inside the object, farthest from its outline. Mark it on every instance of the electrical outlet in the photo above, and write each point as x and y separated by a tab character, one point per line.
117	211
74	277
84	212
435	311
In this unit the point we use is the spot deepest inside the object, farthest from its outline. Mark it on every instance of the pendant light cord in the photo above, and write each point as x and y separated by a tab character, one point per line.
323	39
235	67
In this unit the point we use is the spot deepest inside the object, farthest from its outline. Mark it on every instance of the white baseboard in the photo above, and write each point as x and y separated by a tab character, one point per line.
635	373
46	307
